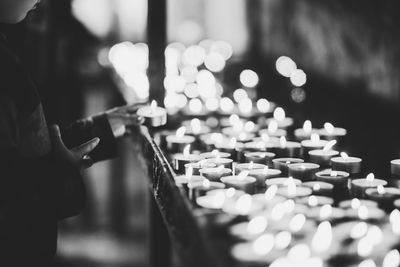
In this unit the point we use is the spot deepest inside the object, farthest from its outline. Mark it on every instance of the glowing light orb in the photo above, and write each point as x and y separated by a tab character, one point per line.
285	66
249	78
298	78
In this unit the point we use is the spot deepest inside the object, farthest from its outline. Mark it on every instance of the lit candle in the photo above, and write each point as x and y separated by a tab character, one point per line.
263	174
178	141
286	149
330	132
323	156
305	132
273	130
226	162
280	118
197	189
314	201
314	143
154	116
250	230
283	163
358	186
303	171
215	174
356	203
241	182
291	190
384	196
339	180
351	165
259	157
180	160
243	206
320	188
248	166
215	201
282	181
215	154
197	166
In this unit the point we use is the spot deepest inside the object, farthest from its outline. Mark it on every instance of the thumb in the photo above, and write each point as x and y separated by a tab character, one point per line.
86	148
55	134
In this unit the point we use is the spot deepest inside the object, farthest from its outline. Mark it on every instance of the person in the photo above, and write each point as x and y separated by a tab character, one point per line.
40	178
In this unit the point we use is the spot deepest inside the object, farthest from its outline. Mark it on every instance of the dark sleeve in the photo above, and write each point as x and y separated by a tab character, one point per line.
84	130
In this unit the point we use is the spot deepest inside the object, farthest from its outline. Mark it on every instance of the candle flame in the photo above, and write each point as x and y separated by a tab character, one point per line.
272	126
153	105
329	128
234	119
334	174
315	138
288	206
291	187
186	151
355	203
232	142
325	211
370	177
282	239
364	247
238	127
220	168
241	176
344	155
245	105
242	136
189	172
394	216
206	183
219	199
392	259
307	126
251	165
363	212
297	222
215	152
277	212
265	137
299	254
181	132
196	126
263	105
230	192
257	225
283	141
263	245
374	235
243	204
381	190
279	114
329	145
359	230
313	201
266	169
317	187
249	126
323	237
270	193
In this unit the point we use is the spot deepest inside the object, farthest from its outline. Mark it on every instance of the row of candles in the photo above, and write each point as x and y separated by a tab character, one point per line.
300	203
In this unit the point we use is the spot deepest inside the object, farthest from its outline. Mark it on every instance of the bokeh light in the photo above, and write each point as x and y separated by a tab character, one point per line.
249	78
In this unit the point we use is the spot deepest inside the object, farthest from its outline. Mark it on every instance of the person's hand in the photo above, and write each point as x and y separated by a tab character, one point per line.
77	155
120	117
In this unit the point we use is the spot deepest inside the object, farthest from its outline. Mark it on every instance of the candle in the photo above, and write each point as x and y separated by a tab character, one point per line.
283	163
180	160
281	119
326	213
314	143
339	180
259	157
366	213
243	206
320	188
356	203
323	156
395	167
263	174
248	166
215	154
197	189
303	171
241	181
358	186
185	180
197	166
352	165
281	181
314	201
215	174
215	201
226	162
286	149
154	116
384	196
305	132
330	132
177	142
273	130
291	190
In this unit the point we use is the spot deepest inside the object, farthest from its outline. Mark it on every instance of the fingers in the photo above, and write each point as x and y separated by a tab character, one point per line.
86	148
55	136
86	162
